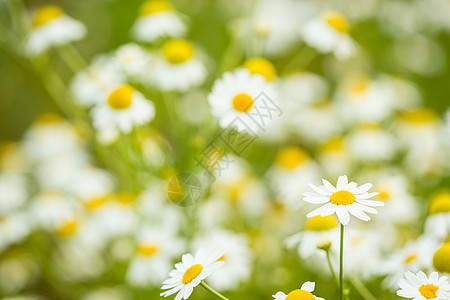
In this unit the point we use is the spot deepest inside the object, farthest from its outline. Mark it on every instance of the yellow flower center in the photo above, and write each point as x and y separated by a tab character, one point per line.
95	202
178	51
359	86
147	250
122	97
222	258
68	228
242	102
46	14
261	66
383	195
125	198
440	204
333	145
342	198
420	116
300	295
320	223
338	21
192	273
428	291
411	258
291	157
154	6
441	261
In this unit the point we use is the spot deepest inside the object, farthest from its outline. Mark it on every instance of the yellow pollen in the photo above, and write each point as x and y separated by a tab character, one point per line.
178	51
147	250
342	198
440	203
411	258
192	273
291	157
300	295
68	228
242	102
338	21
441	259
95	202
46	14
122	97
320	223
261	66
420	116
428	291
154	6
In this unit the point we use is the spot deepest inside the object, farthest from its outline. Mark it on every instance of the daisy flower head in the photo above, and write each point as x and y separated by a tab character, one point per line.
52	27
157	18
420	287
344	199
304	293
234	96
191	271
123	108
328	33
261	66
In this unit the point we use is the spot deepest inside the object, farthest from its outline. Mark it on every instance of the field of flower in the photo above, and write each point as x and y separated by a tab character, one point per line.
224	149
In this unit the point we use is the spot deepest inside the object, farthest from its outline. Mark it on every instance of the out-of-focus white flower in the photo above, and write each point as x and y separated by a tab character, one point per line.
13	192
157	18
89	182
344	199
13	229
328	33
238	258
305	292
52	27
421	287
134	61
178	67
154	251
438	222
107	293
261	66
13	158
191	271
123	109
17	270
335	157
235	97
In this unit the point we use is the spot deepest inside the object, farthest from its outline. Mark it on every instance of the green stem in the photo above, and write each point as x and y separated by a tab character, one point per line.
361	288
300	60
341	265
331	265
72	58
210	289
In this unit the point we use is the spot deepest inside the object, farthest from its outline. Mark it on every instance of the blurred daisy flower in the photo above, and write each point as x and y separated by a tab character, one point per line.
344	199
261	66
178	67
191	271
438	222
330	33
123	109
305	292
52	27
157	18
420	287
441	260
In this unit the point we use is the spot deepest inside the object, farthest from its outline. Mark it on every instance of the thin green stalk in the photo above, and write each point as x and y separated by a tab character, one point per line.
341	265
16	14
214	292
300	60
361	288
331	265
72	58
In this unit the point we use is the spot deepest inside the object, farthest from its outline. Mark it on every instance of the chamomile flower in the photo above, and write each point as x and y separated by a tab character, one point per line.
178	67
235	96
344	199
261	66
157	18
305	292
329	32
438	222
123	109
52	27
134	61
191	271
420	287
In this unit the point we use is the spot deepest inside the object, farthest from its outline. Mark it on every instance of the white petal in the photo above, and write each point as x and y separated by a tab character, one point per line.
362	188
329	186
370	202
342	182
366	196
320	189
316	200
323	211
308	286
343	215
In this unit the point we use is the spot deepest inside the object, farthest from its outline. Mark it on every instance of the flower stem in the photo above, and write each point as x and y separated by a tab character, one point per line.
72	58
361	288
210	289
331	266
341	265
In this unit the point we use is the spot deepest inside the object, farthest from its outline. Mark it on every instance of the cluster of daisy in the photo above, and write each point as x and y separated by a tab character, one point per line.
88	204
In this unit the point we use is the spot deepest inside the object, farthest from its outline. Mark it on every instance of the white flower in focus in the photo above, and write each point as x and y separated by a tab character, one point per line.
191	271
420	287
235	95
330	33
157	18
305	292
344	199
52	27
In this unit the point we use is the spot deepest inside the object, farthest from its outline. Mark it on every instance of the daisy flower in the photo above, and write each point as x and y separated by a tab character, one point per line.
261	66
191	271
234	95
438	221
157	18
420	287
178	67
344	199
330	33
305	292
123	109
52	27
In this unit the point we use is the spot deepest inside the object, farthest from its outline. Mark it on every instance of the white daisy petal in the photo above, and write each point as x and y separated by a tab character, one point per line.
308	286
